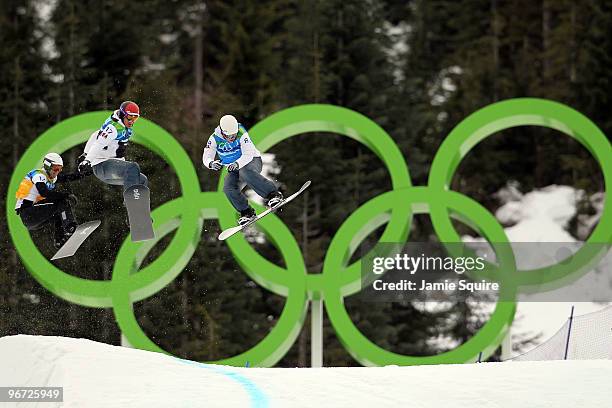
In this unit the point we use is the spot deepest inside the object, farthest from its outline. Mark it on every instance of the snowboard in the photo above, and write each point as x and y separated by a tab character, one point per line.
137	202
76	239
231	231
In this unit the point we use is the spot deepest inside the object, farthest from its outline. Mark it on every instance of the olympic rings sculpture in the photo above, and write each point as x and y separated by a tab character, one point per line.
130	283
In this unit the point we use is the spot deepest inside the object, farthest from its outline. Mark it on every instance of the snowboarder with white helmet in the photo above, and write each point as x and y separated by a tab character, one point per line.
104	153
231	142
38	204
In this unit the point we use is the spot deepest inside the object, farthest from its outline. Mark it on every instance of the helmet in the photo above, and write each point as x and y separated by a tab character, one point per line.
50	160
228	125
128	108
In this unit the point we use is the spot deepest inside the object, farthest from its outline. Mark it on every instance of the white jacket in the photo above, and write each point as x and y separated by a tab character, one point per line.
102	144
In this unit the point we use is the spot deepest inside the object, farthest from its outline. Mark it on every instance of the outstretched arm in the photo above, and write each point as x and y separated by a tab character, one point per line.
49	194
66	178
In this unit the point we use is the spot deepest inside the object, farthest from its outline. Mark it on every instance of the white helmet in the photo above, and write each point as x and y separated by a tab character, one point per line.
228	125
50	160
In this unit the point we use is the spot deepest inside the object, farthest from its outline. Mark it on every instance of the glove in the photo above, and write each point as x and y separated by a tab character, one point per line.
233	166
81	158
121	149
215	165
72	200
85	168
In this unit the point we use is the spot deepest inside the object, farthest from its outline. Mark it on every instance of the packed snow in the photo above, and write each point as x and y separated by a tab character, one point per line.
100	375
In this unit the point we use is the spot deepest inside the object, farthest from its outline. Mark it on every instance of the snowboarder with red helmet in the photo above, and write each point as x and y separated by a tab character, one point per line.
129	112
104	153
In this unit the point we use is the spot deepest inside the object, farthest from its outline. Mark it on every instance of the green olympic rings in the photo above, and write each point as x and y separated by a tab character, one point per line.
486	340
333	119
95	293
338	279
129	283
274	346
524	112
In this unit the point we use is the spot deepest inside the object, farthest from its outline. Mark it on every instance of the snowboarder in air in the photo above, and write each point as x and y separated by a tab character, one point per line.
231	142
38	204
104	153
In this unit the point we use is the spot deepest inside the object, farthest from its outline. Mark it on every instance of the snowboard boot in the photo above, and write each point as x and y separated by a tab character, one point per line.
59	238
65	225
275	199
69	228
246	216
69	224
66	232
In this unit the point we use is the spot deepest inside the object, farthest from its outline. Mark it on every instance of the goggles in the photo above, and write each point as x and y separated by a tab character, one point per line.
229	135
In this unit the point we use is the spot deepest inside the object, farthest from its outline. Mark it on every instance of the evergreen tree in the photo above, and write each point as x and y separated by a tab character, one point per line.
23	115
187	62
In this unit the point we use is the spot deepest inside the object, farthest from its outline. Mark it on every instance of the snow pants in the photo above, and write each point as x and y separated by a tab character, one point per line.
250	176
120	173
39	214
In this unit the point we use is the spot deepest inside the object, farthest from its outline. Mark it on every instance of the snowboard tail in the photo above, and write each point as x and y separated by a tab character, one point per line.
137	200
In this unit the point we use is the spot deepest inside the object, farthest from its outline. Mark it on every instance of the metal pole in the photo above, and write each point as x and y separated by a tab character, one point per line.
316	338
569	330
506	346
125	342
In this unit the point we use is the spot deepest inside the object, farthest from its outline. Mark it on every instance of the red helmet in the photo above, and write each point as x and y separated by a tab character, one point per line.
129	108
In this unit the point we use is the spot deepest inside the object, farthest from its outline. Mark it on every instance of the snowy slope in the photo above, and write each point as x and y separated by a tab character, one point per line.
100	375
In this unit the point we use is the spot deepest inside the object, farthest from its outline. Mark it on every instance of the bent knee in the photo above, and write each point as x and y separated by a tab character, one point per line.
247	170
248	174
133	167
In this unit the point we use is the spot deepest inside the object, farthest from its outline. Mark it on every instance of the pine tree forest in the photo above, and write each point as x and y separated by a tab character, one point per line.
416	68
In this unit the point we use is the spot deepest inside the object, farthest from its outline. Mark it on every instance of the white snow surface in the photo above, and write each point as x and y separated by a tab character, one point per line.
100	375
